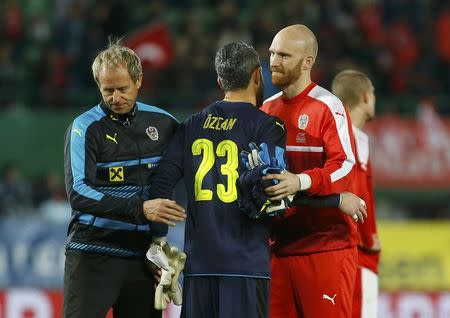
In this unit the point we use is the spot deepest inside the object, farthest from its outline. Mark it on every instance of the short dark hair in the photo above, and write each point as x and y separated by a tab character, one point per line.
235	63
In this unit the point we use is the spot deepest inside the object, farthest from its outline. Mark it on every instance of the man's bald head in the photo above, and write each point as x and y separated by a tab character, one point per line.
303	35
293	53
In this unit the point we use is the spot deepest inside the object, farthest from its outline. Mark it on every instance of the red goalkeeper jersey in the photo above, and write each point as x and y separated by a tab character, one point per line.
369	245
320	145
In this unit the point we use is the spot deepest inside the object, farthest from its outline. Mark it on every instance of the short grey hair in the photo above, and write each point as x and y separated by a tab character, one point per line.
235	63
116	55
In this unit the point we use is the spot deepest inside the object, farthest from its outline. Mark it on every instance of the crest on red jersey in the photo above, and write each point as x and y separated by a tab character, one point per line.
303	121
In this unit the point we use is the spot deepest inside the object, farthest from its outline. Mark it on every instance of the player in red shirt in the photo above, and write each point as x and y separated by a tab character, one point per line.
357	94
314	255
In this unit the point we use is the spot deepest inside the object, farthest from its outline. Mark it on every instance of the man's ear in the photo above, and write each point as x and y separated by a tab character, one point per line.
219	83
308	62
365	97
139	81
257	76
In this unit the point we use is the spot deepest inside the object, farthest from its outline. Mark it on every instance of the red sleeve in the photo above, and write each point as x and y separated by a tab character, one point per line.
368	229
337	173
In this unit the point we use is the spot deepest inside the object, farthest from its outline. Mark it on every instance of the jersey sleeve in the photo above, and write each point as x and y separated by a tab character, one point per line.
273	132
368	229
80	170
337	173
170	169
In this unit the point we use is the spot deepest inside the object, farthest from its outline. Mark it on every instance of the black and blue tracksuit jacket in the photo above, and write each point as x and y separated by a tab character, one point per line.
109	164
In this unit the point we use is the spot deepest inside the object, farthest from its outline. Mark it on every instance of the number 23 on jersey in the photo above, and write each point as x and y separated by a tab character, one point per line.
226	148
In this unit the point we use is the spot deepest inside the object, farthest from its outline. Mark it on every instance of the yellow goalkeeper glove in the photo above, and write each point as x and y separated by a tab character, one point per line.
176	259
155	254
171	262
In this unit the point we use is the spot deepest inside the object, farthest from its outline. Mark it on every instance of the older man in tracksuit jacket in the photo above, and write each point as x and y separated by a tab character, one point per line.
111	153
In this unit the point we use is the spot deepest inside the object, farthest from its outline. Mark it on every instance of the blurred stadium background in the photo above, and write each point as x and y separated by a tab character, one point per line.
46	49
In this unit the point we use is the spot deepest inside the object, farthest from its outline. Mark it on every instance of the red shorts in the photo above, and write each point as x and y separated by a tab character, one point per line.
365	296
313	285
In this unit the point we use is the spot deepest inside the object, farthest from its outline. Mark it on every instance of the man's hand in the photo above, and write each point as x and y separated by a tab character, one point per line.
156	271
353	206
289	183
163	211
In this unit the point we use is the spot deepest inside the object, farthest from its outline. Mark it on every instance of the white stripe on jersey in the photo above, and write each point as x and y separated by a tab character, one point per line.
273	97
362	145
304	149
337	109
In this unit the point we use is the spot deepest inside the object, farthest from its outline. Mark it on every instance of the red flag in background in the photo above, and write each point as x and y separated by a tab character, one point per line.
153	44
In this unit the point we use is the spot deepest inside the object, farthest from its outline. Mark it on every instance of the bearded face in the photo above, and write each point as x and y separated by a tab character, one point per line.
289	53
286	72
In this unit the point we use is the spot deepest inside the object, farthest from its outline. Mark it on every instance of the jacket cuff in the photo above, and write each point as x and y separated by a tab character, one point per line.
138	212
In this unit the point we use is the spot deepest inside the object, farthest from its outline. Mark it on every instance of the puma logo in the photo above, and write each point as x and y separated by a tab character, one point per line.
280	124
112	138
325	296
341	114
78	131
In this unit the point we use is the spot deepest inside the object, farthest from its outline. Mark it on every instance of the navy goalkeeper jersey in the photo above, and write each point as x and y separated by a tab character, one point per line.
219	239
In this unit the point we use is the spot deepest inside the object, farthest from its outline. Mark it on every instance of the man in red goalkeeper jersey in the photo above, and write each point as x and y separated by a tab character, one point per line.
314	254
357	94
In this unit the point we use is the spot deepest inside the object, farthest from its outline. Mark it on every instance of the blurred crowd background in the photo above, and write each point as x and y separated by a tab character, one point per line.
47	46
46	51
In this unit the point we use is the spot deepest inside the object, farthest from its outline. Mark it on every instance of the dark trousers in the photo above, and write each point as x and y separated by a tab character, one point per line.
225	297
94	283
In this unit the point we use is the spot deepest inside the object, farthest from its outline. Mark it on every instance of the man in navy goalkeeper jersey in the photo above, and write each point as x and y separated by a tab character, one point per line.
227	269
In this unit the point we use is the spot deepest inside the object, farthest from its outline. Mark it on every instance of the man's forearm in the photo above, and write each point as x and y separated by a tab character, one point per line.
328	201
